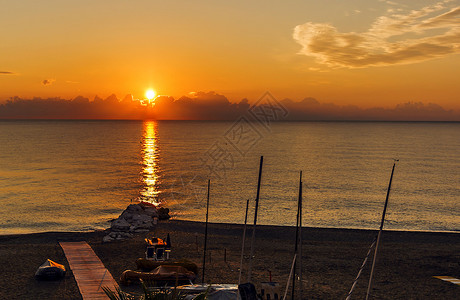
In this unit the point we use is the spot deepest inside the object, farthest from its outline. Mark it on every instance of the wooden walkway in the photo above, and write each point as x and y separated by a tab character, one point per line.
88	270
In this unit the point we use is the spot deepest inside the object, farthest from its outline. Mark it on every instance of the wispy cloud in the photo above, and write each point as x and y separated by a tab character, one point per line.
6	73
48	81
400	37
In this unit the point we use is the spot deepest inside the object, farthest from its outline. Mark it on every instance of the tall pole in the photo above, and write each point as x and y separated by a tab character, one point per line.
255	219
244	238
299	203
205	234
300	234
380	232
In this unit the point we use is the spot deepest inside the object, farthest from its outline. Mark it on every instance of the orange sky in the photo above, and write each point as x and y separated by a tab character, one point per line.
366	53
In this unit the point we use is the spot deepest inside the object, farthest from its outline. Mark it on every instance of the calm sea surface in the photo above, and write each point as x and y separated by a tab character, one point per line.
78	175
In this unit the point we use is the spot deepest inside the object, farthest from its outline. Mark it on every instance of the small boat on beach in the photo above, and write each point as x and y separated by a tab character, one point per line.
213	291
50	270
164	274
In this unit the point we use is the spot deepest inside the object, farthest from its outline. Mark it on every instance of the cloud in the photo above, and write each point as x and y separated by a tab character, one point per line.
6	73
311	109
48	81
212	106
397	38
199	106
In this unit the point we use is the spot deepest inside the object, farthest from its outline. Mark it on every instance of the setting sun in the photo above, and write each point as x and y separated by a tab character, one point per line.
150	94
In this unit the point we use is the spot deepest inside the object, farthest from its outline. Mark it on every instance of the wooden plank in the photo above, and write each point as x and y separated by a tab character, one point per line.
88	270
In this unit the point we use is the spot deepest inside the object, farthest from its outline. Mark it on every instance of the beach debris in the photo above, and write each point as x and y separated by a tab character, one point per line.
50	270
136	218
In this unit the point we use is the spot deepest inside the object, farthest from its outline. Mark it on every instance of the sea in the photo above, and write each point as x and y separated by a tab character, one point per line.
66	175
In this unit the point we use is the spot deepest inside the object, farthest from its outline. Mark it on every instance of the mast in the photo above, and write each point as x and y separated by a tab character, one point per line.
244	238
205	233
300	234
380	231
255	219
299	215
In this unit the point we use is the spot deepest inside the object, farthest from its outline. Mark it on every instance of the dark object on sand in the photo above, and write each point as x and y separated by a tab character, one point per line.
247	291
50	270
147	265
164	273
163	213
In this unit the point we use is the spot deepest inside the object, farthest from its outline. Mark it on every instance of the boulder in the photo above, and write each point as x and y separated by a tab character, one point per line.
134	208
151	211
120	224
163	213
107	239
127	215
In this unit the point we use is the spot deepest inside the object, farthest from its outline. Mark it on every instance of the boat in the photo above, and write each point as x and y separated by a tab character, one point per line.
50	270
166	274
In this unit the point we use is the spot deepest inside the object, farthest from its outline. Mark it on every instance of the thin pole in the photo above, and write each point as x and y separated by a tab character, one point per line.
300	235
244	238
205	234
289	278
255	219
297	234
380	231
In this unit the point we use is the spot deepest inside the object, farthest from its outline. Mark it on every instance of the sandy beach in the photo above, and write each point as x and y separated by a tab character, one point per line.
406	264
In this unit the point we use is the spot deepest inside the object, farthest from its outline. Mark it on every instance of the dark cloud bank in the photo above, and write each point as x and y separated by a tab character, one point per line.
212	106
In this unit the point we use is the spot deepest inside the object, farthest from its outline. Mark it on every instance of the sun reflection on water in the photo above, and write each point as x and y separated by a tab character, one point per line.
150	169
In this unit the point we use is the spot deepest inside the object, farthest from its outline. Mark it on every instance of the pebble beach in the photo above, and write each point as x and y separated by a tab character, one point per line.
406	262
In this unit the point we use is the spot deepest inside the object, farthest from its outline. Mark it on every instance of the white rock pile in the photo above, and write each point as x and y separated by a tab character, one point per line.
136	218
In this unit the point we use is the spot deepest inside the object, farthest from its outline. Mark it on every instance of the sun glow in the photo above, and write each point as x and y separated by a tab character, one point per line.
150	94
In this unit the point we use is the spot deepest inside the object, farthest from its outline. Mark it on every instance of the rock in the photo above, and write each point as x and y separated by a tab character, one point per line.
120	224
163	213
127	215
134	208
145	218
124	235
136	218
113	235
151	211
146	225
107	239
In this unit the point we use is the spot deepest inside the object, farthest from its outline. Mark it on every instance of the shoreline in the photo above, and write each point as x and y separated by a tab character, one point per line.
248	225
331	259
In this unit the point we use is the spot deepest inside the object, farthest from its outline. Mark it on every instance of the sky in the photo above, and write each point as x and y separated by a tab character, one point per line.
365	53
